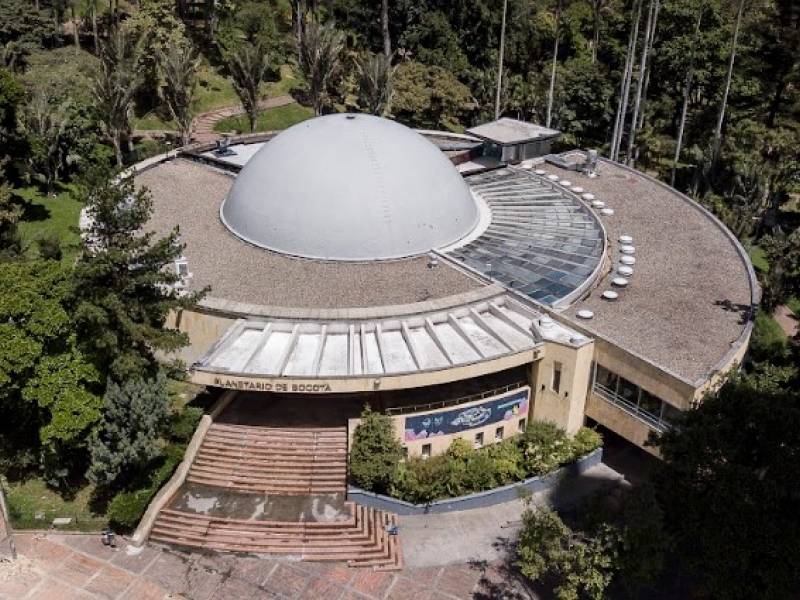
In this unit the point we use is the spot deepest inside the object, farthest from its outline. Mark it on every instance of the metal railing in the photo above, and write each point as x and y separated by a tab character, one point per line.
632	409
401	410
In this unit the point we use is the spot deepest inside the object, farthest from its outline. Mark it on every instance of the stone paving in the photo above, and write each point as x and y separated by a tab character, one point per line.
455	556
79	567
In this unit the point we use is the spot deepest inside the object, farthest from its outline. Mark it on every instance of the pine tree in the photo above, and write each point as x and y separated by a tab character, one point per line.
125	286
134	414
375	453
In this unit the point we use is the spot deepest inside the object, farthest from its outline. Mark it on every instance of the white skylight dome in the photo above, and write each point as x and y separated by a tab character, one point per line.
350	187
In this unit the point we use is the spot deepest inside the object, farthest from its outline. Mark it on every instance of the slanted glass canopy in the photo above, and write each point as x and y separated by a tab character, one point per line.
541	242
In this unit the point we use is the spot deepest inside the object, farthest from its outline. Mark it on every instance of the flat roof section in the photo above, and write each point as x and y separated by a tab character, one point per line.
189	194
507	131
687	302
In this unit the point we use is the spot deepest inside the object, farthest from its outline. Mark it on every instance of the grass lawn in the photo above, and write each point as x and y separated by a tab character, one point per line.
45	215
33	498
794	306
759	258
152	122
272	119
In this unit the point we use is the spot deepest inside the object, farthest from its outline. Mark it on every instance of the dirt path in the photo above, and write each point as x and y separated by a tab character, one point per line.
204	123
787	320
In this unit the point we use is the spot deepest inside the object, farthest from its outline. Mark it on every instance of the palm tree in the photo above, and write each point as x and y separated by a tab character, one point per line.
178	68
115	86
724	101
92	5
375	77
557	38
46	123
248	65
687	90
500	62
597	8
648	36
320	55
622	106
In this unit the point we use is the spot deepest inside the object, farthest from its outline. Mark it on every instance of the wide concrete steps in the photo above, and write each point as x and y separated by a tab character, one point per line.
272	460
362	540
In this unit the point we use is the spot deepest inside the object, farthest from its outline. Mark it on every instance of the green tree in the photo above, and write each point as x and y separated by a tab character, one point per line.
125	282
134	414
10	213
115	86
320	57
248	65
46	122
582	564
428	96
178	67
375	453
375	84
48	388
728	485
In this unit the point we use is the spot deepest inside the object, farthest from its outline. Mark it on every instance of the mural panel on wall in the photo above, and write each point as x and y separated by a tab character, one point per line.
500	408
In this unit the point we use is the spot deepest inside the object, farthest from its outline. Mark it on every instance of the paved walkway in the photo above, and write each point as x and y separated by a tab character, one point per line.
456	556
204	124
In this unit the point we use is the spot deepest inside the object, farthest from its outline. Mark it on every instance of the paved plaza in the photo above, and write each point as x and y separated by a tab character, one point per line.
455	556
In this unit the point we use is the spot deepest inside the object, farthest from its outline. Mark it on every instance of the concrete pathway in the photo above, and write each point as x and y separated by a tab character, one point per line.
455	556
788	321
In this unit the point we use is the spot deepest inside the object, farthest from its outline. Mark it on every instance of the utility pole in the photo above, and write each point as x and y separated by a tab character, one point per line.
500	62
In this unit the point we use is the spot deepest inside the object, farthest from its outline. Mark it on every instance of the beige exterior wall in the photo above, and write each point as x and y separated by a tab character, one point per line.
566	406
718	377
203	330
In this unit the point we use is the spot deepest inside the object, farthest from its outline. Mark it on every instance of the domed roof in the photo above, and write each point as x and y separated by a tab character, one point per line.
349	187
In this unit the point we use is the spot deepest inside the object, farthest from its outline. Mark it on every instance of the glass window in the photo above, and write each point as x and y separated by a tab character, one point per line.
670	414
556	383
650	404
426	450
522	424
498	434
628	391
607	379
479	440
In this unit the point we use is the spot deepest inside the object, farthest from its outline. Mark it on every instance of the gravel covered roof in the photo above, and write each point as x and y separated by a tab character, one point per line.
687	301
189	194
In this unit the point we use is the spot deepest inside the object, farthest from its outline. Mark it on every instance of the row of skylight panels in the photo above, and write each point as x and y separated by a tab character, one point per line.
523	250
552	238
532	271
542	256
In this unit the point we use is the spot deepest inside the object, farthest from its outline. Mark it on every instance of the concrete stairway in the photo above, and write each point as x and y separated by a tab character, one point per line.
272	460
361	540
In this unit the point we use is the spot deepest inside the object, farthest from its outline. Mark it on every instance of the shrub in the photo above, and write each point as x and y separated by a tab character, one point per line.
585	441
419	480
544	447
126	508
376	452
183	424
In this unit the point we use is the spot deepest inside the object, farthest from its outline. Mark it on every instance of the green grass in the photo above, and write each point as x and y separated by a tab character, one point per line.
273	119
46	216
214	90
152	122
794	305
759	259
287	84
33	498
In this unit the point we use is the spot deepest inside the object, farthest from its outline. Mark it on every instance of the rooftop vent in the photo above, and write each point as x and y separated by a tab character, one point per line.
540	172
608	212
433	261
588	197
625	271
545	322
625	239
610	295
628	249
577	189
598	204
619	281
553	177
585	314
627	260
565	182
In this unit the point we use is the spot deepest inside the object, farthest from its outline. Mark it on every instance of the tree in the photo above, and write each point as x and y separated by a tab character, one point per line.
581	563
115	86
46	123
125	286
729	487
375	84
178	68
248	64
375	453
134	414
320	55
427	96
630	59
782	281
10	213
727	87
387	38
649	33
48	387
559	11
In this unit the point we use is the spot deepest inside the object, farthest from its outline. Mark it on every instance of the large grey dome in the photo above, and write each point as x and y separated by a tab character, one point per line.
349	187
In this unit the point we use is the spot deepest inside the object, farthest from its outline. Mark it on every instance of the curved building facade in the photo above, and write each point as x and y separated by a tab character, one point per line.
352	260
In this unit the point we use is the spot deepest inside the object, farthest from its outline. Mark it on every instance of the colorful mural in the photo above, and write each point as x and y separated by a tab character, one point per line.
500	408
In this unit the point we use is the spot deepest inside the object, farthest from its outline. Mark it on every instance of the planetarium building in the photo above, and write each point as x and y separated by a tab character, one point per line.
463	284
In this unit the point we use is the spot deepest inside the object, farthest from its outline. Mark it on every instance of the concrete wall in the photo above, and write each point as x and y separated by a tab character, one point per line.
565	407
493	497
619	421
202	328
